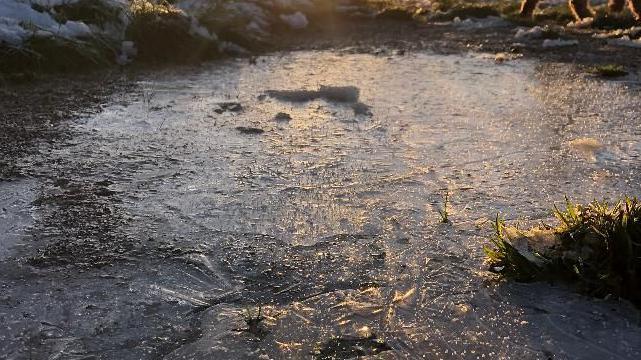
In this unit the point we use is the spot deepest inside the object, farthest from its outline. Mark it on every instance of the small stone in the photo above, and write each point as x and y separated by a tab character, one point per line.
281	116
250	130
228	106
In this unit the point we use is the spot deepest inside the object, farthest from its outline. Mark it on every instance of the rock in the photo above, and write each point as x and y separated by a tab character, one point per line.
229	106
339	93
293	95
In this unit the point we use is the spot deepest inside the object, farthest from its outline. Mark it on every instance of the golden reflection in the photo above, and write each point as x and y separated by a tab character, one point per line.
586	147
289	346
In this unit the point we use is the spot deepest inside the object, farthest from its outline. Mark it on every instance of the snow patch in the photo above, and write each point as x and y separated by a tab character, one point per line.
199	30
626	42
11	32
296	21
19	21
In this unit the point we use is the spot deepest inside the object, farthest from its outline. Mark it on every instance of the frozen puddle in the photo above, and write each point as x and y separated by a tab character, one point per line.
15	214
212	192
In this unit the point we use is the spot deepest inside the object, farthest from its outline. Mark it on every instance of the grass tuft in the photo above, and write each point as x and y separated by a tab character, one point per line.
254	321
596	246
444	213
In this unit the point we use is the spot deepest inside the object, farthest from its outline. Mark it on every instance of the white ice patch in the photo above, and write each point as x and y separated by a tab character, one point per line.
483	23
128	51
625	41
532	33
74	29
297	20
555	43
199	30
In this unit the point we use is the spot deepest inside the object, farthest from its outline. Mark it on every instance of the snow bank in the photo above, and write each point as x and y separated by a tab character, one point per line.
19	21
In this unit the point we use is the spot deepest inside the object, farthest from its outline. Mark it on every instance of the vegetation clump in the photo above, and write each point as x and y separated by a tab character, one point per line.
609	70
162	33
55	54
596	246
559	14
99	13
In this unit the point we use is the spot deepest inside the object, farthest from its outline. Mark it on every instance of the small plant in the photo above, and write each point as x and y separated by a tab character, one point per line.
609	70
596	246
444	212
253	320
